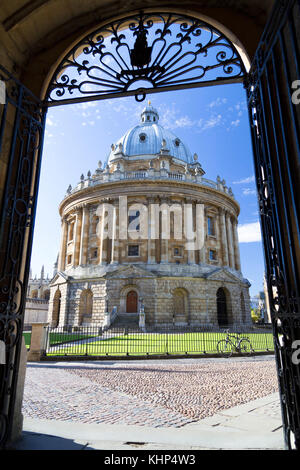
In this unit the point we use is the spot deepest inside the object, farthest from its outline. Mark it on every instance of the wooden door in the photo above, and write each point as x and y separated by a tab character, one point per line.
132	302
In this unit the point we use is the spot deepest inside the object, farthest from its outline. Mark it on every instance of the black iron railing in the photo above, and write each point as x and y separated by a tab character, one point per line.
164	340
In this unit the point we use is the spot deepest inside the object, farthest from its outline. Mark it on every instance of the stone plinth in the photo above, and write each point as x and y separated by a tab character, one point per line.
38	342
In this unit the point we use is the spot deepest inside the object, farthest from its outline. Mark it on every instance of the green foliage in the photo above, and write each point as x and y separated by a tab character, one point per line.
255	315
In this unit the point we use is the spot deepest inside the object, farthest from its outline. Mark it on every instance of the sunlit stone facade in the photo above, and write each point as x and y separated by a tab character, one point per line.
153	194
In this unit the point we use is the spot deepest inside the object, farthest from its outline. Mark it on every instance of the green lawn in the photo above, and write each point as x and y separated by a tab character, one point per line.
142	344
58	338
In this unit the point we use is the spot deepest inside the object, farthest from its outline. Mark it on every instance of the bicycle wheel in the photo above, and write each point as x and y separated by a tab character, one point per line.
225	348
245	347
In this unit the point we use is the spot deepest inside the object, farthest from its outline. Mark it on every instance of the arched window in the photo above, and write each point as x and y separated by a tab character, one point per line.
71	231
46	294
95	221
34	294
85	305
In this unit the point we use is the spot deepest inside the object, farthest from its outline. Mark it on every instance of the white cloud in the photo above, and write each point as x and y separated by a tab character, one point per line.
170	119
217	102
184	121
250	179
212	122
249	233
50	122
249	192
235	123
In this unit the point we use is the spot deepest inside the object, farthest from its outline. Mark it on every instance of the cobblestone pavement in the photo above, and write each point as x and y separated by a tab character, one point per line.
146	393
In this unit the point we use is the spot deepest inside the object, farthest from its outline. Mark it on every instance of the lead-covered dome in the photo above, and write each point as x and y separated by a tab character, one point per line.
148	138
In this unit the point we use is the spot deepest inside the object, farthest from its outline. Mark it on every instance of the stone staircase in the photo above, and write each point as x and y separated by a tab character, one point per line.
126	320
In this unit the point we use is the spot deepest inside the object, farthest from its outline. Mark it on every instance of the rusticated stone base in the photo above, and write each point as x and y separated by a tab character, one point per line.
168	298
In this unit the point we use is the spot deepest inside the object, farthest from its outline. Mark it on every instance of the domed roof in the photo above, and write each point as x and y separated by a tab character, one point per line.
148	138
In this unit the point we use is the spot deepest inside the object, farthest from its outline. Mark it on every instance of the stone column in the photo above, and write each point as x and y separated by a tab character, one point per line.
77	237
223	237
236	245
190	219
164	242
63	245
103	242
202	257
84	235
151	242
115	231
230	240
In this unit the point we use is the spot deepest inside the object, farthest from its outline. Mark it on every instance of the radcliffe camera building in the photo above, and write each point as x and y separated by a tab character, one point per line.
153	267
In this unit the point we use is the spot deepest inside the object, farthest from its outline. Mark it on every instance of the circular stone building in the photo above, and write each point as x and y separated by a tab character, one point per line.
149	233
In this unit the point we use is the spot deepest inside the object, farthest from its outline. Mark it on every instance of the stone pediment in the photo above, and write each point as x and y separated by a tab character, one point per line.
59	278
129	272
221	274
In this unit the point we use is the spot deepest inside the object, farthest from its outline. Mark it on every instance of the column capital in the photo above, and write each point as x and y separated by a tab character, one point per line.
78	208
164	200
189	200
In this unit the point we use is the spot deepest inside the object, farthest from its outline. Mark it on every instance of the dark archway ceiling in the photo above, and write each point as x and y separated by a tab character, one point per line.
35	33
26	22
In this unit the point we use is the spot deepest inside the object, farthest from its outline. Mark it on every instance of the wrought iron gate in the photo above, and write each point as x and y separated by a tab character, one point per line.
21	138
275	127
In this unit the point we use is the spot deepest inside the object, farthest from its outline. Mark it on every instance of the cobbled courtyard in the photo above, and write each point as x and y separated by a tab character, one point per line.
156	393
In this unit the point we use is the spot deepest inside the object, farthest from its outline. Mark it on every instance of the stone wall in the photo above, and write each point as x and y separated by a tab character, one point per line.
36	311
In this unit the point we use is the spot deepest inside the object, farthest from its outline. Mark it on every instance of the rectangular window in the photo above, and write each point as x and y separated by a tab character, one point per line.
133	250
212	255
71	232
69	259
177	251
94	252
210	226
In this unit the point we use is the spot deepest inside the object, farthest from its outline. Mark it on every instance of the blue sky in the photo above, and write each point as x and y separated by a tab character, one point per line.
212	121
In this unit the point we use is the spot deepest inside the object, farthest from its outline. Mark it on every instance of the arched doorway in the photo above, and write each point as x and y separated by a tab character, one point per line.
132	302
180	306
85	306
222	308
243	308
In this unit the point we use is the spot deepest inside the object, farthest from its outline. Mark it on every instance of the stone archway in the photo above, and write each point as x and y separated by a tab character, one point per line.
56	309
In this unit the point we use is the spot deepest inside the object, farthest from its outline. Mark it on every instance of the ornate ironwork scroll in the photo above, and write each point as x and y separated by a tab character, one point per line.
165	51
275	127
21	138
